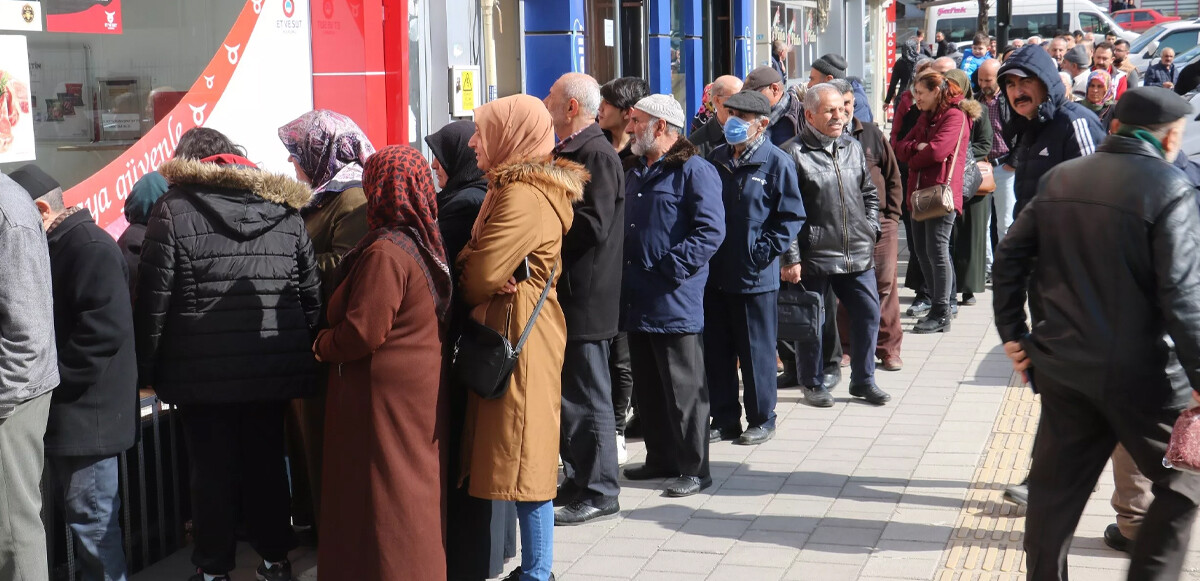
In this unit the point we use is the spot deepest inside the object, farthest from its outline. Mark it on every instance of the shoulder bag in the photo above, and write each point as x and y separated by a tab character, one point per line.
483	357
938	200
989	179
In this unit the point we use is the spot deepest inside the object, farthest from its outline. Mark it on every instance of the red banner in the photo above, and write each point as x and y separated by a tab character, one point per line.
83	16
890	57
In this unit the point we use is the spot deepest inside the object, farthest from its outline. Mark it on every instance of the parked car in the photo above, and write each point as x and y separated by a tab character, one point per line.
1141	19
1179	35
958	20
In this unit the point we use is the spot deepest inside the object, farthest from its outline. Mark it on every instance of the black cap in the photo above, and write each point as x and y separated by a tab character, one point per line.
761	78
35	181
1148	106
749	102
831	64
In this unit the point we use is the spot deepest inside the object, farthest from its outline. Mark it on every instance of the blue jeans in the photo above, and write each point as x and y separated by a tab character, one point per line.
537	539
859	293
93	508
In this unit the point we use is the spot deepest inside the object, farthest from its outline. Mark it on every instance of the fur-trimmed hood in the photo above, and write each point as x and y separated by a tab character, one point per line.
560	180
245	200
675	157
973	109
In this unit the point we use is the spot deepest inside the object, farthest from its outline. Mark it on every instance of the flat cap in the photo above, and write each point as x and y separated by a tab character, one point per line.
35	181
663	107
831	64
749	102
761	78
1079	56
1147	106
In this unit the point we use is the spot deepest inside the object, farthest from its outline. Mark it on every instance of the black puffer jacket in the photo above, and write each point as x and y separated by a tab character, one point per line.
1116	241
229	292
842	206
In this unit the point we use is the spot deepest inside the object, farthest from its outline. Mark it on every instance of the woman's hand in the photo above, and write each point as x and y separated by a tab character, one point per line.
922	146
315	354
509	287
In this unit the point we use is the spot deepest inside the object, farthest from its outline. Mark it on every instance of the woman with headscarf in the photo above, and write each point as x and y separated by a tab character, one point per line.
1101	97
383	515
971	229
479	532
328	152
141	200
706	109
511	447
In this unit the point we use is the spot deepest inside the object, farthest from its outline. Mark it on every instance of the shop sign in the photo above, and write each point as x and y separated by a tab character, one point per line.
16	109
83	16
20	15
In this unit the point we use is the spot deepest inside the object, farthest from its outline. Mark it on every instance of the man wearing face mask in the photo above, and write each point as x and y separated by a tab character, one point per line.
712	134
763	213
1105	366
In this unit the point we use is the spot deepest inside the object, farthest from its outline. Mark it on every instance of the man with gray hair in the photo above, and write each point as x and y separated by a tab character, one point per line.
712	134
674	224
28	374
835	248
590	295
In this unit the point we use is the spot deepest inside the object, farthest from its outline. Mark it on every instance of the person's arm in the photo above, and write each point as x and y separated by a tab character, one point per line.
509	233
1175	245
377	288
156	283
906	148
346	229
703	208
785	219
894	84
102	314
942	142
26	311
595	214
1011	267
1084	138
870	193
310	280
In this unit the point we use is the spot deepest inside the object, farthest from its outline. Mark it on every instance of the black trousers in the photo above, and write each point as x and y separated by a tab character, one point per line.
1076	435
236	460
672	395
622	379
741	328
588	438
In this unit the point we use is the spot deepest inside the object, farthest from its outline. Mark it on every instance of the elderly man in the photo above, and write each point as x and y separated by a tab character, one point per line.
835	247
591	261
763	213
712	135
944	65
1058	49
786	111
674	224
1016	43
1104	366
1102	60
1163	73
1076	65
28	376
617	98
779	58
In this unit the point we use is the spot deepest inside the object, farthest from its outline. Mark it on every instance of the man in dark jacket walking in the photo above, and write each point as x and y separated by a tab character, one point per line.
1103	359
674	224
93	415
589	291
763	213
835	246
787	112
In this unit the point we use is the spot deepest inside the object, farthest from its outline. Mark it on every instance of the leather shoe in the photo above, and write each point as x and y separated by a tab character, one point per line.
871	393
755	435
648	472
892	363
818	396
833	376
1117	541
1018	493
786	380
582	511
727	433
687	486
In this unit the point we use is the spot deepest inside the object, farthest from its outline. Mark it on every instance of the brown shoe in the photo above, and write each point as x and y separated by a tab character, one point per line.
892	363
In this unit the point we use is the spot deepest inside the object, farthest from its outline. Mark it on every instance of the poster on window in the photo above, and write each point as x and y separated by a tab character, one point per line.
16	106
83	16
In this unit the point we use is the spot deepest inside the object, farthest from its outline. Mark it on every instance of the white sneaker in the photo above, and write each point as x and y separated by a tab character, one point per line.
622	452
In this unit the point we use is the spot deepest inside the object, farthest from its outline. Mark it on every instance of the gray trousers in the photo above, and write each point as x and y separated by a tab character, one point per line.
22	456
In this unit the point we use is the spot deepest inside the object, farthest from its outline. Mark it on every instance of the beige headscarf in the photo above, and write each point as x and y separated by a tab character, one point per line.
513	129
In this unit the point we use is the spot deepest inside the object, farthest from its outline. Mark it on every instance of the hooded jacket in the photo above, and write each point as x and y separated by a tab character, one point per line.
229	293
1062	130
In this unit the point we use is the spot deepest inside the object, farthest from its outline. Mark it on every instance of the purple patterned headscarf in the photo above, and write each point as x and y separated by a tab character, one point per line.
330	148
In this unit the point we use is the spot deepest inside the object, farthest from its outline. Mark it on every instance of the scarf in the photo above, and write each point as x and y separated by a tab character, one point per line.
331	150
402	209
1142	134
514	129
814	137
1110	89
449	147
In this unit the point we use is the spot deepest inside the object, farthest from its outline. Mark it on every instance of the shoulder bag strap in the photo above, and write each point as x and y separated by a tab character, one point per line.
954	158
536	310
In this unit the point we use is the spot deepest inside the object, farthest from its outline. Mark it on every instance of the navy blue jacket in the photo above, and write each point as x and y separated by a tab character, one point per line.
763	213
1157	74
674	223
1063	130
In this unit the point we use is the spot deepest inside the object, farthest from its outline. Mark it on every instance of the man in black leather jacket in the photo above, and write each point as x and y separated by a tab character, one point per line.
836	245
1111	243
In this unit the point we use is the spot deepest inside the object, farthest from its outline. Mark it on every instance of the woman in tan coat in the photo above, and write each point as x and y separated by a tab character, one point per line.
511	444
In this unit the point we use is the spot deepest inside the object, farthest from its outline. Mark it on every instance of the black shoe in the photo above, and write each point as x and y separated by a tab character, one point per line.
968	300
932	324
582	511
648	472
199	576
818	396
1018	493
633	427
687	486
279	572
833	376
786	380
920	306
755	436
871	393
1117	541
567	491
727	433
516	576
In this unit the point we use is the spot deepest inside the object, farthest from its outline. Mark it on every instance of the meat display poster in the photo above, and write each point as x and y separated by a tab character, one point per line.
16	108
83	16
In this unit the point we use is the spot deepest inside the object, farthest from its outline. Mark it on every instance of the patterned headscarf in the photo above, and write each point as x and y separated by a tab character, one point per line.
402	209
1110	88
330	148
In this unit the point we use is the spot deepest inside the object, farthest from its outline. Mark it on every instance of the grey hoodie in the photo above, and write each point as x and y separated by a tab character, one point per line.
28	357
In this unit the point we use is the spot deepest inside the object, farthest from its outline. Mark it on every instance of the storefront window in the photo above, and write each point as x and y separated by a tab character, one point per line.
601	30
678	84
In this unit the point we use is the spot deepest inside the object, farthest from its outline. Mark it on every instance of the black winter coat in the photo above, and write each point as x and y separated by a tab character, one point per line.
229	294
708	137
1111	244
130	244
94	411
590	288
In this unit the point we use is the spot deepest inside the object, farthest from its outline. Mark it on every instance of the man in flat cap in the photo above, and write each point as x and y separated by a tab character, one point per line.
763	213
1111	243
1076	63
787	112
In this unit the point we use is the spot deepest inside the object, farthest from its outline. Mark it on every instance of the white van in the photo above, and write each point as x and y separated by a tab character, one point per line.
958	20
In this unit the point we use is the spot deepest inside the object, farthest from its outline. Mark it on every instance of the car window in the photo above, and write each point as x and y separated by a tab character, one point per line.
963	29
1027	25
1122	18
1144	17
1181	41
1145	39
1089	22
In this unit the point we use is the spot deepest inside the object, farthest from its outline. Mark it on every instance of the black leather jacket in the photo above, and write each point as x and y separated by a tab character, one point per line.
1112	243
842	206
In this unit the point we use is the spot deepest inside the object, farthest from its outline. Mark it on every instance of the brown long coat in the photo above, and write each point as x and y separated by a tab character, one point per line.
511	443
383	514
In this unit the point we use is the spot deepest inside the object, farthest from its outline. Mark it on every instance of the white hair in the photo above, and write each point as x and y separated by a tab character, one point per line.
584	89
671	128
812	99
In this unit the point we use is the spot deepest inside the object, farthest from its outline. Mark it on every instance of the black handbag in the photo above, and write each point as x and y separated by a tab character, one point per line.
484	359
800	314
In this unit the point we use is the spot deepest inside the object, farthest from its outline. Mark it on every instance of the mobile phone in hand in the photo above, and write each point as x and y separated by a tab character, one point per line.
522	273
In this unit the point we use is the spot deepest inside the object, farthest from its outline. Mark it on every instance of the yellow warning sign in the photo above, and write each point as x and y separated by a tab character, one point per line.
468	90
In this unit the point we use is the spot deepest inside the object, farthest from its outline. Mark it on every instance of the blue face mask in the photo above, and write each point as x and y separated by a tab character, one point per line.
737	130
